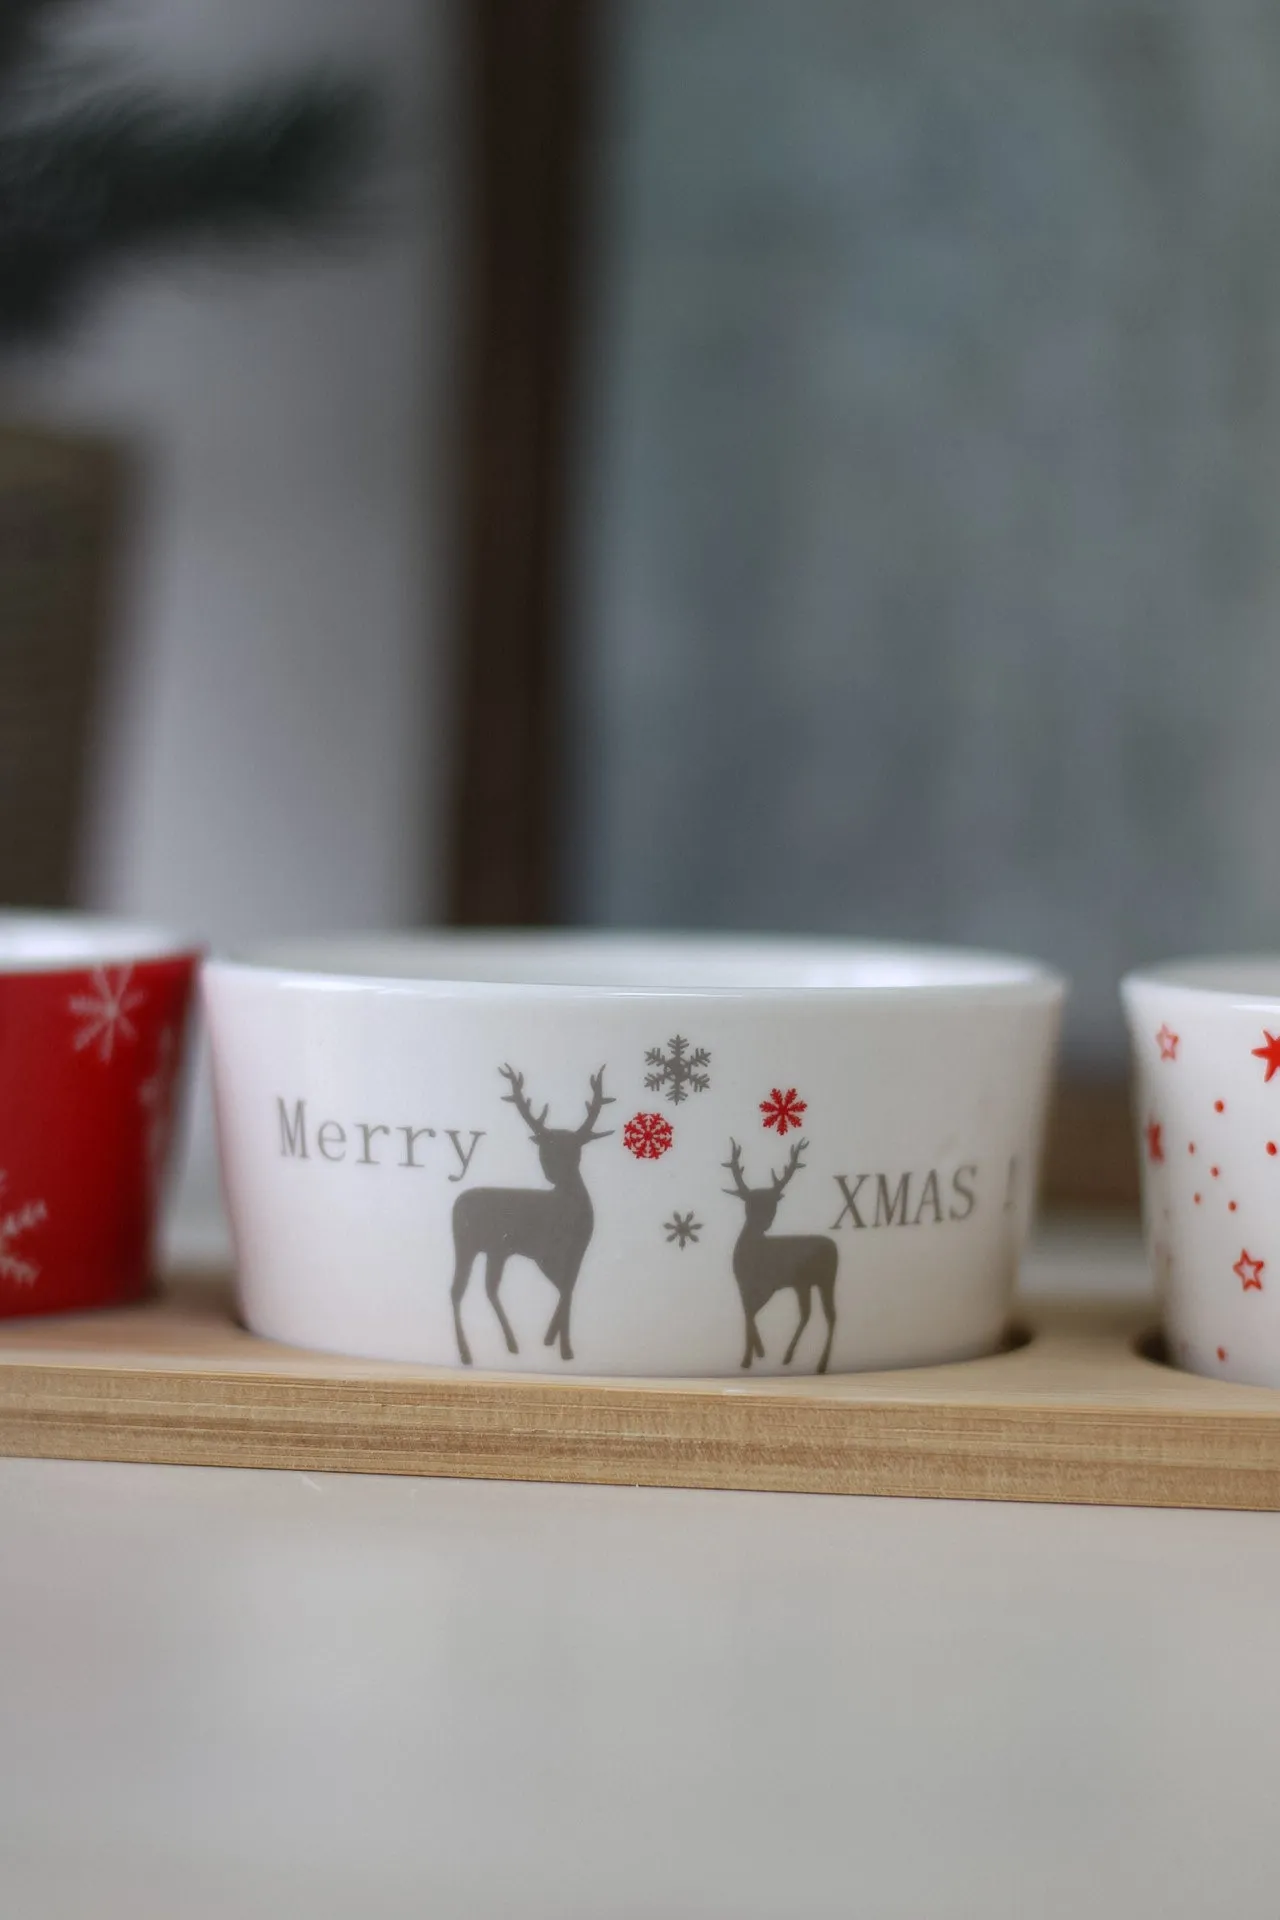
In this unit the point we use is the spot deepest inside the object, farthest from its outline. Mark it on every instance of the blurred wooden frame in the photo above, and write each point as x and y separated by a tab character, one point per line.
62	501
532	76
1091	1154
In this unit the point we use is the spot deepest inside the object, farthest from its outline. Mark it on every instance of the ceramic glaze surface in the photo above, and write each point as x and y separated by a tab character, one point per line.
1206	1052
597	1155
92	1026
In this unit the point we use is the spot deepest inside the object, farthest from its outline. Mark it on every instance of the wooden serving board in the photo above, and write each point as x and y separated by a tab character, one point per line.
1079	1413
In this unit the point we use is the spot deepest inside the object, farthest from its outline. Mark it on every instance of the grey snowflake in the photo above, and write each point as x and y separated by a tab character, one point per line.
679	1072
682	1227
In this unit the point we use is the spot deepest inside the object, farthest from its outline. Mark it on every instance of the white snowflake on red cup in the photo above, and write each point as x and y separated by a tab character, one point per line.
155	1097
783	1110
647	1135
12	1226
105	1012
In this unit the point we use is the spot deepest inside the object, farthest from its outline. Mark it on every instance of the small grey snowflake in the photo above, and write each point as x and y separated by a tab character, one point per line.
680	1072
682	1227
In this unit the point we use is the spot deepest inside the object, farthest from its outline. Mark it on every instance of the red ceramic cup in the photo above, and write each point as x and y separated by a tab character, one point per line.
93	1017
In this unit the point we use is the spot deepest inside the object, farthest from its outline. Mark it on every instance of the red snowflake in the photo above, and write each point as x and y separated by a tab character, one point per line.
783	1110
647	1135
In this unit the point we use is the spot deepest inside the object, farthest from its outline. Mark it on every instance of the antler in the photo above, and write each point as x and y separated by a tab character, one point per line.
781	1180
733	1165
599	1099
536	1123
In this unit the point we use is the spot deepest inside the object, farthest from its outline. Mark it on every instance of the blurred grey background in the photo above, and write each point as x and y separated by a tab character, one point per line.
930	580
272	723
920	522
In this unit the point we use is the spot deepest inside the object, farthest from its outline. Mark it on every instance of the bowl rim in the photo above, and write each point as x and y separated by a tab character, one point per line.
57	940
332	963
1226	979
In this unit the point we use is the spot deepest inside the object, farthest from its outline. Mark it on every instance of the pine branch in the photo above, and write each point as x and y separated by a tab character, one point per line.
132	175
22	25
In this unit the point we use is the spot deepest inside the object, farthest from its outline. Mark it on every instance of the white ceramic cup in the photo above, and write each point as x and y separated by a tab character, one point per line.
1206	1050
612	1155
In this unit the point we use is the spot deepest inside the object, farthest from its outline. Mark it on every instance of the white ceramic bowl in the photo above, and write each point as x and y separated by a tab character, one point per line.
616	1155
1206	1051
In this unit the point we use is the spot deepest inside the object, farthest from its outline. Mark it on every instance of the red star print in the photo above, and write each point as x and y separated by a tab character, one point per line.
1270	1053
1167	1041
1155	1145
783	1110
1249	1272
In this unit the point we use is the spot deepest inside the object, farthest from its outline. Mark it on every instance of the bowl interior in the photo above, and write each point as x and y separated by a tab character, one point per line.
626	963
58	942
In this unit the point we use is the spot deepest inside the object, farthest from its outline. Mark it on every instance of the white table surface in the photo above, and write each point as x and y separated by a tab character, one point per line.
268	1694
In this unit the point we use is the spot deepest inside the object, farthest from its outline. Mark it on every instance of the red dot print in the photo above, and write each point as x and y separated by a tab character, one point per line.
1191	1146
1222	1353
1231	1206
1219	1106
1214	1172
1197	1199
1271	1146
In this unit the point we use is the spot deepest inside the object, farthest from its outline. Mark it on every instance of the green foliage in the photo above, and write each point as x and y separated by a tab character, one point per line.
91	174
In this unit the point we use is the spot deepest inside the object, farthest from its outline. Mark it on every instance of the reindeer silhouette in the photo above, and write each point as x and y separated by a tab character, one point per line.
764	1265
552	1227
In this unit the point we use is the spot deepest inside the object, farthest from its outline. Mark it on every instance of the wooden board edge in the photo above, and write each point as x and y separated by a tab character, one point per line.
1063	1455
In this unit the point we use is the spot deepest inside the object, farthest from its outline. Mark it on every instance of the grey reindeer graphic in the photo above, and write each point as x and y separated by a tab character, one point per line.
550	1226
765	1264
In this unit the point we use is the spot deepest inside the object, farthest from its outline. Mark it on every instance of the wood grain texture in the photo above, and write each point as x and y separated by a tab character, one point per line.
1077	1415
